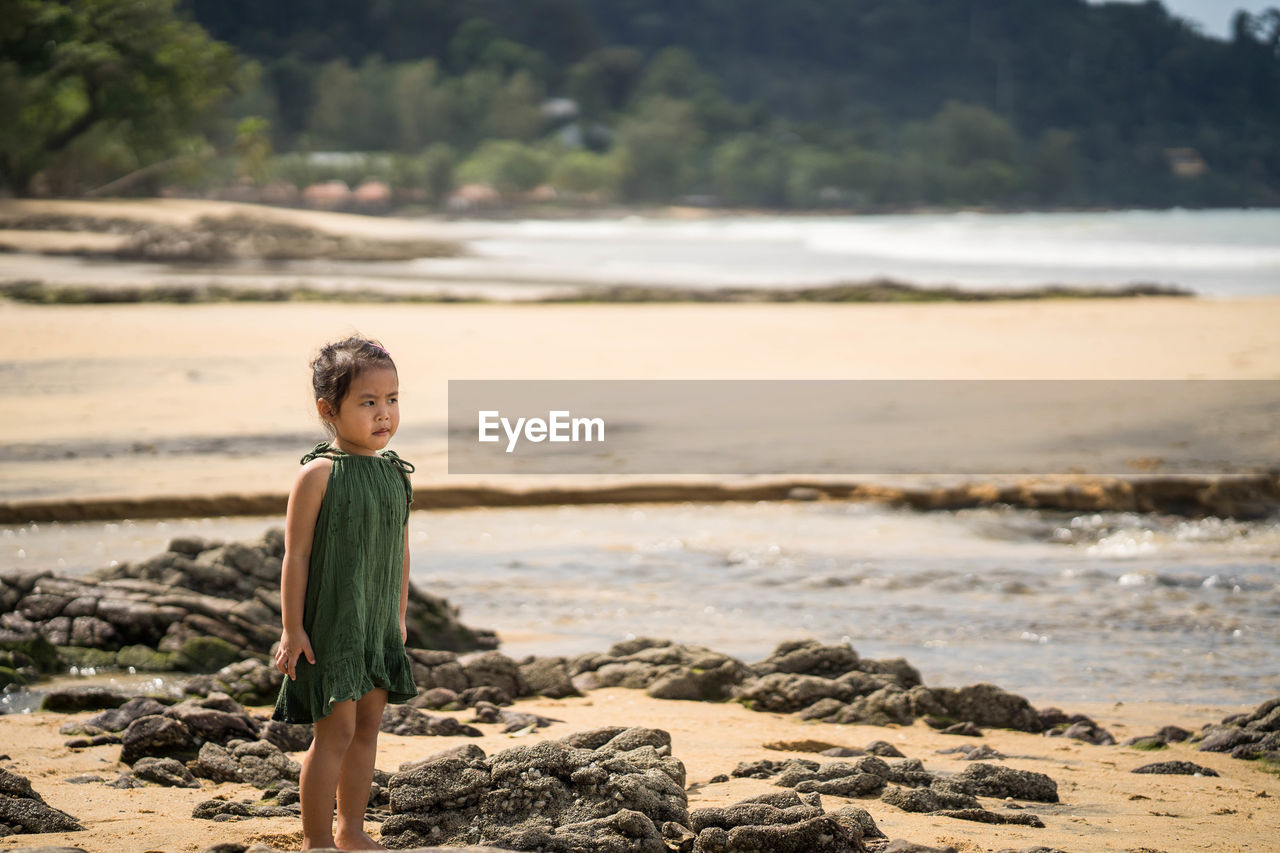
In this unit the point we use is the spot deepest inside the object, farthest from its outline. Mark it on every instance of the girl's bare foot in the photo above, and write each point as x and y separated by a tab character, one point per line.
359	840
317	844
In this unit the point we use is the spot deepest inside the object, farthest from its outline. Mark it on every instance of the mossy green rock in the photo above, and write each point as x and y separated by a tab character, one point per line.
84	658
145	659
8	675
208	654
40	652
1148	743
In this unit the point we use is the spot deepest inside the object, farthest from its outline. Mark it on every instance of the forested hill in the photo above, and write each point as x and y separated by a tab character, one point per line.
803	104
1112	103
1047	63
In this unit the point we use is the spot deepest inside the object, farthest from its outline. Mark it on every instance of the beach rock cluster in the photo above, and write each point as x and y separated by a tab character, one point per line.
1161	739
782	821
447	683
1075	726
908	786
822	682
214	608
249	682
22	810
198	606
604	790
409	721
1251	736
211	737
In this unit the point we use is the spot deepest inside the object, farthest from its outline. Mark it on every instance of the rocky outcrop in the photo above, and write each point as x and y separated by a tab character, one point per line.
889	697
250	682
164	771
22	810
197	607
663	669
409	721
992	780
1074	726
907	785
601	791
781	821
548	676
259	763
1246	736
1162	738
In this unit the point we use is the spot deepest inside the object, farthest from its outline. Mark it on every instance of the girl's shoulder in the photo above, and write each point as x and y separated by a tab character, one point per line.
315	472
316	466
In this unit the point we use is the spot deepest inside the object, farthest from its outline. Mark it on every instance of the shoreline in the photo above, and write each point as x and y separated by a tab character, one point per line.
1245	497
189	250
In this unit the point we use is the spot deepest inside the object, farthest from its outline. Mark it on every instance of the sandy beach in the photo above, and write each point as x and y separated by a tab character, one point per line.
1104	806
142	401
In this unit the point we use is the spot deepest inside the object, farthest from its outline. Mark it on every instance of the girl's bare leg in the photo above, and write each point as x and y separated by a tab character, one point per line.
318	783
356	775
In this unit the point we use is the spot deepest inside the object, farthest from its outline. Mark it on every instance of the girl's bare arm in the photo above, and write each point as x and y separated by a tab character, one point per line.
299	532
404	588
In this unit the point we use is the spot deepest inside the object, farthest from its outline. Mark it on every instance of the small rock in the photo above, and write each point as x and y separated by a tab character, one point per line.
992	780
936	797
1086	730
22	810
981	815
165	771
548	676
899	845
884	749
126	781
1177	768
438	699
215	763
158	737
289	737
82	699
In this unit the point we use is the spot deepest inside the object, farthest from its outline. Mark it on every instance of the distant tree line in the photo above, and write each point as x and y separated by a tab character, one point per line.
804	104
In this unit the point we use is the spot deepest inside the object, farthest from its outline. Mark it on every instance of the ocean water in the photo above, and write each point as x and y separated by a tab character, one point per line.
1057	606
1212	252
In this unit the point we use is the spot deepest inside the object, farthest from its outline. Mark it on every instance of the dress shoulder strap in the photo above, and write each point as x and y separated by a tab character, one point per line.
406	468
325	449
403	464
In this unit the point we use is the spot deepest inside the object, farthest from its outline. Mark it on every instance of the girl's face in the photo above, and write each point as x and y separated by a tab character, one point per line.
370	413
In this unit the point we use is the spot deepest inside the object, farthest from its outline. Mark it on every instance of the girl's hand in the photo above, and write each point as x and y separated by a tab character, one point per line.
291	647
404	632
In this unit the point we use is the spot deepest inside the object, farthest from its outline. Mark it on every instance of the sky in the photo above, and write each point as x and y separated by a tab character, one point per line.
1213	16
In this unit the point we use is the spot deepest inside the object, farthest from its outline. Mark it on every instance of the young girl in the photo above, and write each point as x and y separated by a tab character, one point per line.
344	589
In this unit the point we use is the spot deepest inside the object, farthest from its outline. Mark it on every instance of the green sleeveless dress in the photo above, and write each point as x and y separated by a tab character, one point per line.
352	608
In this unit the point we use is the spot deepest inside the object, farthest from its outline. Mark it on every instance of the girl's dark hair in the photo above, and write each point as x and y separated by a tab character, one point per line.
339	363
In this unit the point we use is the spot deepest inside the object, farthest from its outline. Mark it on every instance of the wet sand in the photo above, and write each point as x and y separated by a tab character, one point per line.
136	401
1103	807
